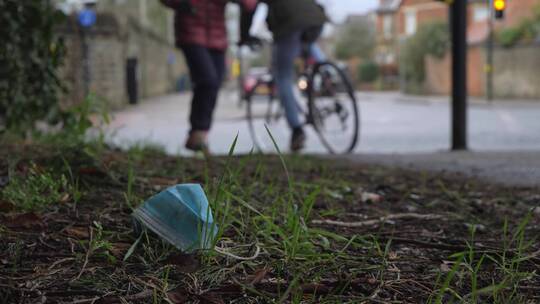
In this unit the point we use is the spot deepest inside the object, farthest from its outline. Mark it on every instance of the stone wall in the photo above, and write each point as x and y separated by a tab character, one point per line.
516	72
110	44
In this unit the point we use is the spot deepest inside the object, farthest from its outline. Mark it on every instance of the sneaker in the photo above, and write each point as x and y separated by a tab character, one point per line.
198	141
298	139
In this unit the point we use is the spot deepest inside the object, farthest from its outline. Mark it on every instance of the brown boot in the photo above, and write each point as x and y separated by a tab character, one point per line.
198	141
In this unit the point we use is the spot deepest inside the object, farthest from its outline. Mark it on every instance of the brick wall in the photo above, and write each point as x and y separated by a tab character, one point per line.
111	43
516	72
517	10
426	11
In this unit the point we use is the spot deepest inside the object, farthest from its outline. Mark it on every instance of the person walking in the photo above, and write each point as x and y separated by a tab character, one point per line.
293	23
201	34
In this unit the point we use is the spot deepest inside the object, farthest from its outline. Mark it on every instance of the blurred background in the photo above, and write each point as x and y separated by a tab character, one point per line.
397	52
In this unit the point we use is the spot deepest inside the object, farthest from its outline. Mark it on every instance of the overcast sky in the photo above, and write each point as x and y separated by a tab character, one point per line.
339	9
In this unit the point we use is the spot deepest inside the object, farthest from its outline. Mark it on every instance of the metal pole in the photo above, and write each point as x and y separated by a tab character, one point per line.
458	13
489	54
86	62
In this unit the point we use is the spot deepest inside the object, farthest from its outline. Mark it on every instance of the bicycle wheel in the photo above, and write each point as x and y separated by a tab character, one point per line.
263	109
333	109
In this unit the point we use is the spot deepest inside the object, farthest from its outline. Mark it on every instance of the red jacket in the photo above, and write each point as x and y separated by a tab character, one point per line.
205	24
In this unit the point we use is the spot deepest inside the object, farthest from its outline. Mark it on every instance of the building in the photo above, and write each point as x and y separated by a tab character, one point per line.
397	20
387	42
130	52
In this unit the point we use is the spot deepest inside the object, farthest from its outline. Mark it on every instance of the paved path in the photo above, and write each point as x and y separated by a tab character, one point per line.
392	125
512	168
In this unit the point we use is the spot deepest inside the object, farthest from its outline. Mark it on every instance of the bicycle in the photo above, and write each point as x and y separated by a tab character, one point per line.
331	106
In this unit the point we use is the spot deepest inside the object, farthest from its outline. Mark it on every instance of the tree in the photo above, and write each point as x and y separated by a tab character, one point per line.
357	39
430	39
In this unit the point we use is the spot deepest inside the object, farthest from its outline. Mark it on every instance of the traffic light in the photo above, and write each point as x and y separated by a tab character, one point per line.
499	6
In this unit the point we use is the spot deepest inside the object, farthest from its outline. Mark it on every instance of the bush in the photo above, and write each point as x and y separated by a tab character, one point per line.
509	36
431	39
368	72
30	55
527	30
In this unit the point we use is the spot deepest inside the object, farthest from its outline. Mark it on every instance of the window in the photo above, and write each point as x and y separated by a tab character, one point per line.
480	13
410	22
387	26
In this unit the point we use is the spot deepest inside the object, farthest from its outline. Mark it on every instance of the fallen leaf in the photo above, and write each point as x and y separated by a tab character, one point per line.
445	267
65	198
210	298
6	207
186	263
259	275
78	232
28	220
314	288
162	181
178	296
118	250
392	256
92	171
368	197
372	281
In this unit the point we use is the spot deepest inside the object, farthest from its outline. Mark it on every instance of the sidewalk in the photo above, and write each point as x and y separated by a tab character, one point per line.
390	123
512	168
396	130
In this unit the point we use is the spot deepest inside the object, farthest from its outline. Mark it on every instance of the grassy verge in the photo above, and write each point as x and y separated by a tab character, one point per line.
292	230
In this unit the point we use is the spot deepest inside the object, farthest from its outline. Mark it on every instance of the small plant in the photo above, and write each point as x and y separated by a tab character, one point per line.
35	191
130	197
503	287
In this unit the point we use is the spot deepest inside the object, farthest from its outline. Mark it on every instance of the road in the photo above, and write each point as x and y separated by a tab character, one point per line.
390	123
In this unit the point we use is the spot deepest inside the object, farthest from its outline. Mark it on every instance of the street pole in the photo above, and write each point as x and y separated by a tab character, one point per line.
458	14
489	54
86	62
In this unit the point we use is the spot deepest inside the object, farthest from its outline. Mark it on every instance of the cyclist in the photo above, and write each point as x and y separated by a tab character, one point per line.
293	23
201	34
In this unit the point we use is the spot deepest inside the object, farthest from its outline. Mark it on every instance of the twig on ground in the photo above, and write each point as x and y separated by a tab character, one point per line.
88	252
60	262
383	219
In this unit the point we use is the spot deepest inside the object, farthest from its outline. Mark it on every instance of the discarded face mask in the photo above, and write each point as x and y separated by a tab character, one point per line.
180	215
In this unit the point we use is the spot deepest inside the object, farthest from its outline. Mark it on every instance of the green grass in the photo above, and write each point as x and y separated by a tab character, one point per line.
269	202
36	190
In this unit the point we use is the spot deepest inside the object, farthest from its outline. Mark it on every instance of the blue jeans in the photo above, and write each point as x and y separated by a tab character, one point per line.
285	51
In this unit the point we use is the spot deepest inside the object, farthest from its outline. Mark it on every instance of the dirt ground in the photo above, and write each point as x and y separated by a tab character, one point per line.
319	231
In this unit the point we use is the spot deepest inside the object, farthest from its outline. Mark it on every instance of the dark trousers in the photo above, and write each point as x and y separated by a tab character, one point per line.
206	67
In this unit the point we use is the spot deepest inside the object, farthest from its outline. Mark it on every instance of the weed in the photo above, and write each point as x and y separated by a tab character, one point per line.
129	196
73	184
35	191
504	287
141	150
